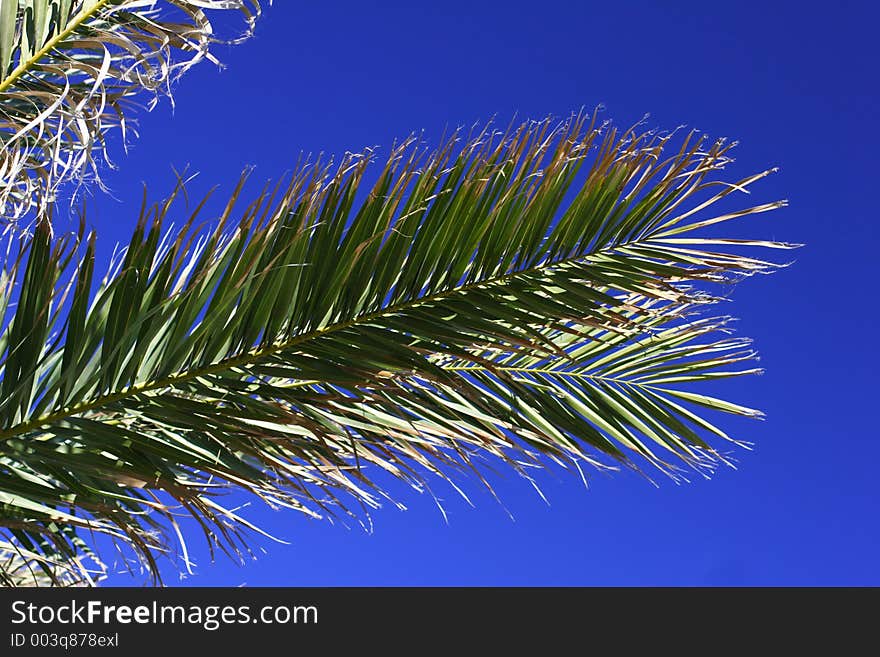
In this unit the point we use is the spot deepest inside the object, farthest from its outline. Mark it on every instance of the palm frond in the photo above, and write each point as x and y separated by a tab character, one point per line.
508	297
20	567
69	73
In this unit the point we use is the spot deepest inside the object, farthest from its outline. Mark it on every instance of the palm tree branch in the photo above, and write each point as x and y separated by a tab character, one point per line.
260	354
516	295
70	71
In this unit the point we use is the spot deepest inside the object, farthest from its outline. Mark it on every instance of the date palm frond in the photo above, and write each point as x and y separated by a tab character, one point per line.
72	70
517	297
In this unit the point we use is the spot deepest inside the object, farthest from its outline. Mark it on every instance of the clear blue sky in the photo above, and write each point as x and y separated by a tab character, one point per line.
795	83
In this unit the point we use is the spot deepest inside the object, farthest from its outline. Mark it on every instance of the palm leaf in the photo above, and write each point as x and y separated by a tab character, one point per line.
20	567
512	297
69	71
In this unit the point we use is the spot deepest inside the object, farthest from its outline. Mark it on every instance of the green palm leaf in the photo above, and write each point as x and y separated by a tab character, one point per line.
69	71
510	296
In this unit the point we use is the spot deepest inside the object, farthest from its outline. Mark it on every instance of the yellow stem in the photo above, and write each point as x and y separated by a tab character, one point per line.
51	44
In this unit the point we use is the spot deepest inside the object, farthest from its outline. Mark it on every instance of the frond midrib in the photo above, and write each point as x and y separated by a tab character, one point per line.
255	355
548	371
51	44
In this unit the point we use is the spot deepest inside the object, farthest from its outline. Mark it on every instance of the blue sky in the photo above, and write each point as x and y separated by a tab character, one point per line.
795	83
